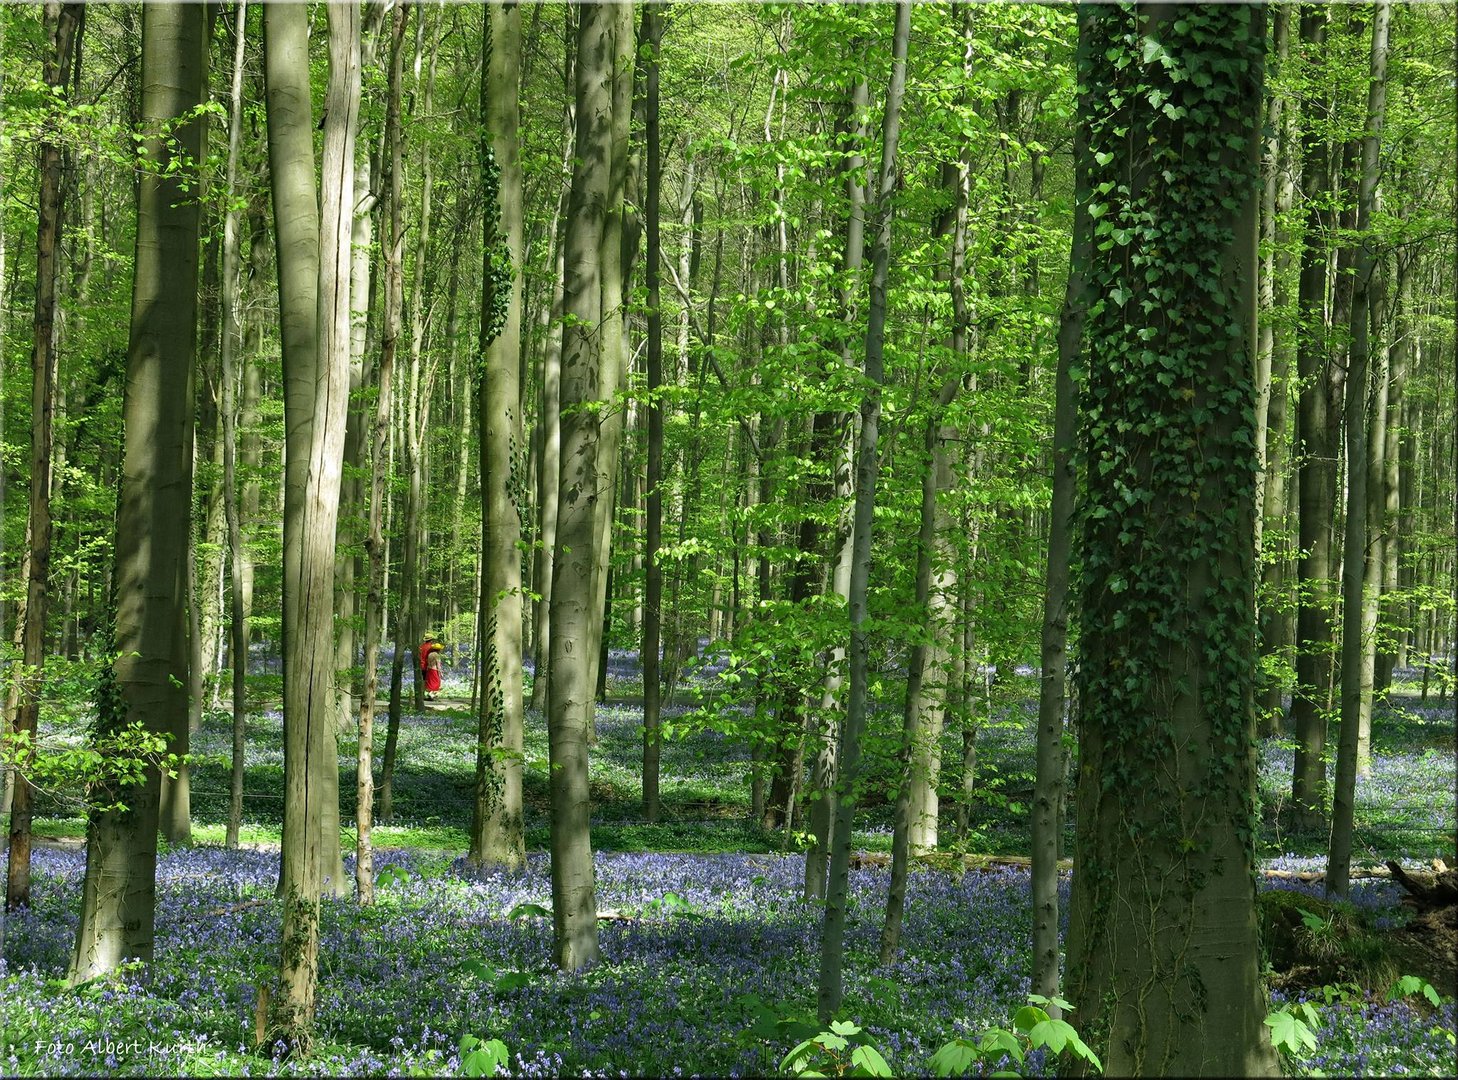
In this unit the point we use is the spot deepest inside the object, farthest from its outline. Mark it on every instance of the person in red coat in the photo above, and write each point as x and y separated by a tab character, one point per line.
430	651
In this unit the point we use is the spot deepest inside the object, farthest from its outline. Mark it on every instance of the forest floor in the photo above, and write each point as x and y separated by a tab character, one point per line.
710	960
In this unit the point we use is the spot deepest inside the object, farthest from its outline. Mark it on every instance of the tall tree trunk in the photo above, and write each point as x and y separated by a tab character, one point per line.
832	945
147	684
1316	467
357	442
652	34
549	403
496	824
1052	686
1162	944
1354	550
313	227
1275	349
238	618
615	355
62	26
839	465
1375	556
1396	524
375	550
915	826
574	616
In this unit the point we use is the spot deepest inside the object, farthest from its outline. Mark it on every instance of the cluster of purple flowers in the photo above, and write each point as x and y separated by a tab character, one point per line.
679	987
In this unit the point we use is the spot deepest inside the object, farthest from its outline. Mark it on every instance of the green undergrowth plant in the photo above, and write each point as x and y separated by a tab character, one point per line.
1312	942
844	1049
482	1057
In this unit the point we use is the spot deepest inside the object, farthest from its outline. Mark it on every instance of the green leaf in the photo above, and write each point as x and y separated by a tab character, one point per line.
954	1059
528	911
869	1060
482	1058
513	980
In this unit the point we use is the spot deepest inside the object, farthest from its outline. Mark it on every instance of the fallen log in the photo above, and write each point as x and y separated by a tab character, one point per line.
1428	891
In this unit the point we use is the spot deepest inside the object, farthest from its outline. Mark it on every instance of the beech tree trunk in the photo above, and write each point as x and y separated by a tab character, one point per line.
238	617
1316	468
1048	782
313	227
375	549
839	466
832	945
497	838
652	35
149	676
62	26
1354	551
574	615
1162	943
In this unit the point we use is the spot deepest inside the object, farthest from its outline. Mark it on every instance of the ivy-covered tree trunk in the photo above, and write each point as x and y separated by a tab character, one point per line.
496	824
148	681
313	226
62	24
1163	958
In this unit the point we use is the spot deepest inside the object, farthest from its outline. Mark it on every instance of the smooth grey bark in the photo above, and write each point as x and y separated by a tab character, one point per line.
150	672
1354	549
1277	617
853	131
1316	465
615	354
574	617
376	552
238	617
497	838
652	35
1048	782
832	946
313	227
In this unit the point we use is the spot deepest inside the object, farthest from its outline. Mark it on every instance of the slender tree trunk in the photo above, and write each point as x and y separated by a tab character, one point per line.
496	825
823	771
1052	686
652	34
549	404
915	826
574	616
615	355
1272	540
832	947
238	619
375	549
62	26
1354	551
1316	468
313	227
1375	556
1396	524
147	684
